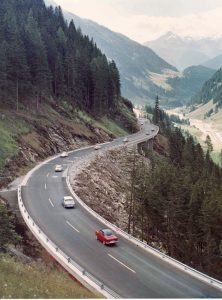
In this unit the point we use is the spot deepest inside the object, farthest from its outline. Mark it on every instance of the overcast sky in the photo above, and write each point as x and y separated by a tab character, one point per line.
144	20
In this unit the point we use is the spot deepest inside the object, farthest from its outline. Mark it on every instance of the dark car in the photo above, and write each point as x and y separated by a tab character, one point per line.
106	236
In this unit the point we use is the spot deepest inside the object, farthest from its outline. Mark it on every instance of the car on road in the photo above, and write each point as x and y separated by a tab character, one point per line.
58	168
152	129
147	133
64	154
106	236
125	140
68	202
97	147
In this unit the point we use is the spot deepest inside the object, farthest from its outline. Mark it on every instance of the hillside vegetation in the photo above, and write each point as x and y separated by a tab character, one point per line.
56	86
37	281
189	83
43	57
211	90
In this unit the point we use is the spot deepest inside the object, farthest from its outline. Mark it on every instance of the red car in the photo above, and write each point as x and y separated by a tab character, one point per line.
106	236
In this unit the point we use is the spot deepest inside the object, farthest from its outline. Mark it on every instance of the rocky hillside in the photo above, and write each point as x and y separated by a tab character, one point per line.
109	177
27	138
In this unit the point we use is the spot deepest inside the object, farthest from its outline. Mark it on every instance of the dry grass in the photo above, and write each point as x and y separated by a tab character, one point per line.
201	111
161	79
19	280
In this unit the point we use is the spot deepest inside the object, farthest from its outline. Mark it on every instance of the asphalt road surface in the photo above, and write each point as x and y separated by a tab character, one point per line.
128	270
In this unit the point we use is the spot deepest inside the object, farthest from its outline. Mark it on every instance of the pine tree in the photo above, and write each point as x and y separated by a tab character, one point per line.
3	72
156	113
209	144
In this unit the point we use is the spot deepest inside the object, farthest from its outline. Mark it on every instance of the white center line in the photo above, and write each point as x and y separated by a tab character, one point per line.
121	263
51	202
67	222
45	186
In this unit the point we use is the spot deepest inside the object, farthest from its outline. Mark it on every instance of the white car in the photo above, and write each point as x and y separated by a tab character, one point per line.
97	147
125	140
64	154
68	202
58	168
147	133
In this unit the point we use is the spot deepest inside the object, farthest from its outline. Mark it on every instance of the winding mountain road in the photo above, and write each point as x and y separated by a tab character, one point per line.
128	270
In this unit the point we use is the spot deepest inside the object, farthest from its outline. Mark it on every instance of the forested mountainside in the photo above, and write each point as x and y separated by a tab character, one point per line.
134	61
181	199
212	89
42	56
57	90
185	86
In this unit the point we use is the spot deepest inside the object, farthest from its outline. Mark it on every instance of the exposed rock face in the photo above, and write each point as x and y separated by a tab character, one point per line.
47	140
103	183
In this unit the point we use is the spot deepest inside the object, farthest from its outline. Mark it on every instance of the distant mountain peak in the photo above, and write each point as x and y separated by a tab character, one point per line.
185	51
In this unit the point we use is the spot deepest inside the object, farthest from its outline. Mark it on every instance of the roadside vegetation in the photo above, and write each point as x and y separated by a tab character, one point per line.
32	279
178	203
37	280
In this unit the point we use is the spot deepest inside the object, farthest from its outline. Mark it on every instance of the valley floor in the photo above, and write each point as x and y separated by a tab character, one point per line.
207	128
200	128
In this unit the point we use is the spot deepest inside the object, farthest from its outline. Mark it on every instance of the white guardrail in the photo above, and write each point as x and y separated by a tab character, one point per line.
82	275
75	269
201	276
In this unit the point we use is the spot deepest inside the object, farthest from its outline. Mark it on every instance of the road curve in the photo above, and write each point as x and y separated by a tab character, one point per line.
126	269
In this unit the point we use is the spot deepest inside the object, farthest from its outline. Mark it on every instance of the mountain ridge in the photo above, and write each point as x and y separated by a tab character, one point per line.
186	51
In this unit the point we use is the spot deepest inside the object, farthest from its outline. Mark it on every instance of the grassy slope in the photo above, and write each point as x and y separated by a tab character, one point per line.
201	111
10	129
20	280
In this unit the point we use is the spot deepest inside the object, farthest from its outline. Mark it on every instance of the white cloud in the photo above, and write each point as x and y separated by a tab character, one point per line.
144	27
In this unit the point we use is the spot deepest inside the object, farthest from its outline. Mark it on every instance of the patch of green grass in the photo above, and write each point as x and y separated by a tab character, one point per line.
83	116
19	280
10	129
8	147
111	127
127	113
108	125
